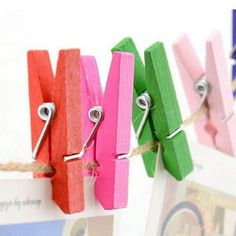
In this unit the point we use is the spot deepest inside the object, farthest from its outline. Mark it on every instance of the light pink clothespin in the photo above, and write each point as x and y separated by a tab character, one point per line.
107	125
211	86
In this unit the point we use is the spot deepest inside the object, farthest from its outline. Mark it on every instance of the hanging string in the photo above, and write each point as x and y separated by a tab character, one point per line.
38	167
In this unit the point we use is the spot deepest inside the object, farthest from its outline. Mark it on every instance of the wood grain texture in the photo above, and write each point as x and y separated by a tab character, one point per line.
166	114
39	77
92	96
65	135
210	129
149	158
113	136
164	109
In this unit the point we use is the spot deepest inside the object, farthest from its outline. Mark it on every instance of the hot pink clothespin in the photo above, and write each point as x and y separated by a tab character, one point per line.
92	94
113	136
107	125
211	86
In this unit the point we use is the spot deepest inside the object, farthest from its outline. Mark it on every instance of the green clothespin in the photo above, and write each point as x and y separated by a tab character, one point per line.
153	87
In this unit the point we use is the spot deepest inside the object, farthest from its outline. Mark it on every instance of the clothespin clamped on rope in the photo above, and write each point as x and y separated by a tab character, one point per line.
55	106
106	121
211	88
156	114
108	127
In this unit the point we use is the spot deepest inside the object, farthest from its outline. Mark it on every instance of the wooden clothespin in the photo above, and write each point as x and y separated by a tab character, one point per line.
108	140
211	87
233	54
92	94
57	100
161	120
113	136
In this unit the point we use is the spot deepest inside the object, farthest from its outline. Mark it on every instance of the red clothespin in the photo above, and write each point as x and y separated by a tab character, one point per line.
57	100
217	128
109	137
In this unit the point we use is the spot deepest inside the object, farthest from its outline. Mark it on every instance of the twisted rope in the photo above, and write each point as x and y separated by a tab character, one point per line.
37	167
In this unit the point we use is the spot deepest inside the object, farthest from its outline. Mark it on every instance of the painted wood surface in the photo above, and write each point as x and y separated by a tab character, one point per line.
220	98
164	117
91	96
166	114
65	136
191	71
147	135
217	128
113	136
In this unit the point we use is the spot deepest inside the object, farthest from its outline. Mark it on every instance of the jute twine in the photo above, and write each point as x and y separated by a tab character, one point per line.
38	167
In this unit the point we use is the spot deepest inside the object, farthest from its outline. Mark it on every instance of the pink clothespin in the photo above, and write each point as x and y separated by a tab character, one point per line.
107	125
92	94
211	87
113	136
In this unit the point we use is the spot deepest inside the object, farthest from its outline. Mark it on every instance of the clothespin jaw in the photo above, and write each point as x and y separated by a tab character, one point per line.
163	119
191	71
149	158
165	113
65	136
113	135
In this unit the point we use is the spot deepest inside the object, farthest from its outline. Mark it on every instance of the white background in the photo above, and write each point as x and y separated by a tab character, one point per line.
94	27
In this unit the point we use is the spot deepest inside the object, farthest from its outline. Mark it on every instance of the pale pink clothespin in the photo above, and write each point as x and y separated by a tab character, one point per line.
106	125
211	87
